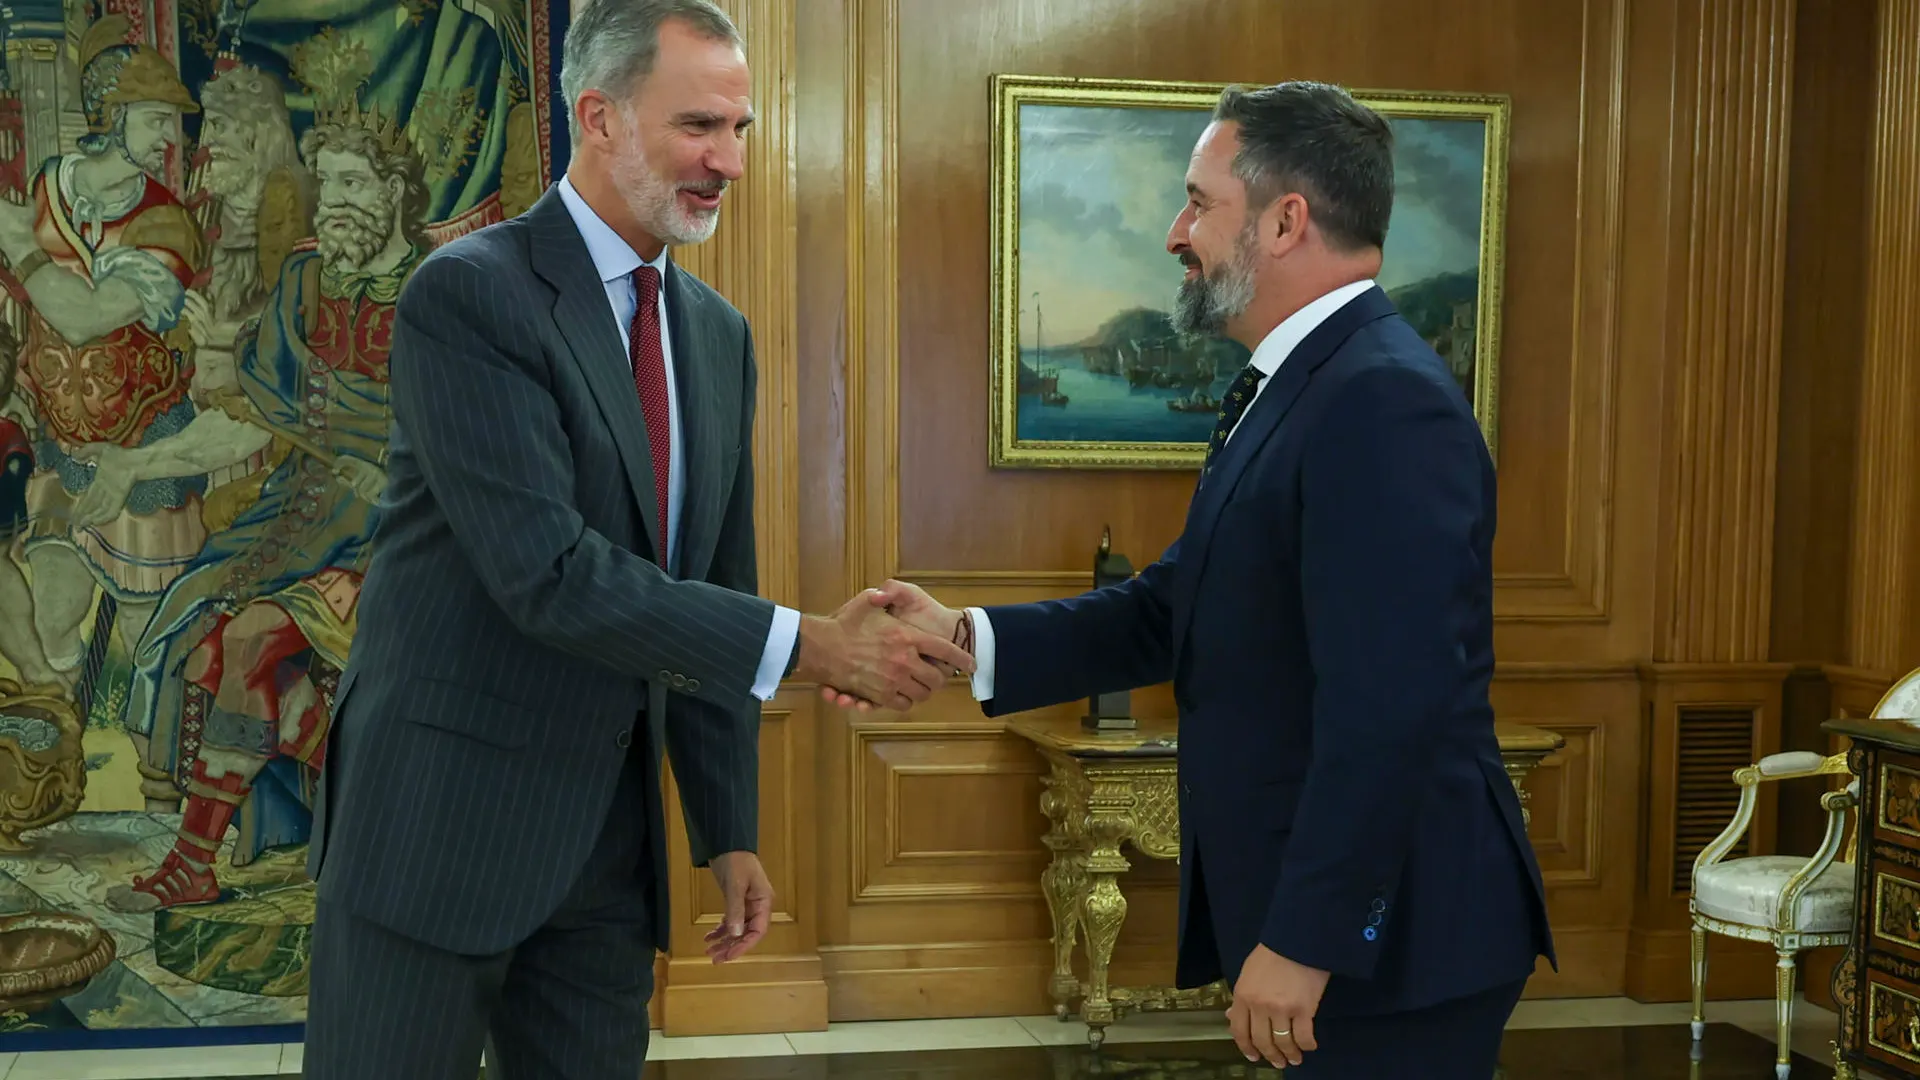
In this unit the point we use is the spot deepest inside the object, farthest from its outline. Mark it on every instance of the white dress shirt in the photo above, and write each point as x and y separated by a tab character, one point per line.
615	261
1271	353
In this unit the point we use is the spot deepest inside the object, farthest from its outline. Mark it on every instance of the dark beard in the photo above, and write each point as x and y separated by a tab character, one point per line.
361	239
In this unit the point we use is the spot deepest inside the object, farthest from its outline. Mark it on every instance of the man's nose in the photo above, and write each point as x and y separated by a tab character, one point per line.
729	159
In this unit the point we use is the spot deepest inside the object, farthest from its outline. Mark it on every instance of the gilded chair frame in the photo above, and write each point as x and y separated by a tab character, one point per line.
1786	941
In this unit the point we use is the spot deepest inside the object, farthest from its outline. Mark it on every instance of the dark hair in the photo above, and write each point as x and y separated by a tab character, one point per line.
1315	139
612	44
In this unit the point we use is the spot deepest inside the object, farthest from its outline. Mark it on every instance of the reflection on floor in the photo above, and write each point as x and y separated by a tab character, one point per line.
1632	1053
1547	1039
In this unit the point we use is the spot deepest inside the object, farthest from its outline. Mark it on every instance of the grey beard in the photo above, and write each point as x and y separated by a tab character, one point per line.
1205	303
363	238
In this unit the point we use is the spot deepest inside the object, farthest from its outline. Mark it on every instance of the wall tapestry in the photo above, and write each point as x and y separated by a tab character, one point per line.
1087	371
207	210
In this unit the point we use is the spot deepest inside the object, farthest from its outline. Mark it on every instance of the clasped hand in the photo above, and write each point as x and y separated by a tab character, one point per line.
874	653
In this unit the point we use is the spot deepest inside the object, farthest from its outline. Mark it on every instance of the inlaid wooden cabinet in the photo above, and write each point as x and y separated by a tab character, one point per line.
1877	986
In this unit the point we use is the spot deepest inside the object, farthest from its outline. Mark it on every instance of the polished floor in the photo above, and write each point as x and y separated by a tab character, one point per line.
1585	1039
1630	1053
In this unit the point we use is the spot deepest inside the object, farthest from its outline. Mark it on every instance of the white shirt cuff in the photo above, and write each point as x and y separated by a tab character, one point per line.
982	655
773	662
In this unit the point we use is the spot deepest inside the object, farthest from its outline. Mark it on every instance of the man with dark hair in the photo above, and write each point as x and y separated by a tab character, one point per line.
562	595
1353	858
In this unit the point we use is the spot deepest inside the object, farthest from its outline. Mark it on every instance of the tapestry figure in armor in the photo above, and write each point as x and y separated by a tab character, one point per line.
208	211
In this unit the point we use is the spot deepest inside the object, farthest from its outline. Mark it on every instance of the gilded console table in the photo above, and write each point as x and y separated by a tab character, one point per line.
1106	789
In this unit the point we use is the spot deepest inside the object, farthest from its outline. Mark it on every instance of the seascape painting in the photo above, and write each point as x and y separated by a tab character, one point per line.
1087	370
208	209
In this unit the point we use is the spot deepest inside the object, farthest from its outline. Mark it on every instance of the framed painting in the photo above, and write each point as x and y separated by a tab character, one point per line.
1087	371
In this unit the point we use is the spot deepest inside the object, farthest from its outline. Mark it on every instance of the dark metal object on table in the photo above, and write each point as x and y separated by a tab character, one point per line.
1109	712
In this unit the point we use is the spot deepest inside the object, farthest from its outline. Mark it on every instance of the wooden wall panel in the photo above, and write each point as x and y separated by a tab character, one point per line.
1822	330
902	363
780	986
752	261
1885	568
1664	410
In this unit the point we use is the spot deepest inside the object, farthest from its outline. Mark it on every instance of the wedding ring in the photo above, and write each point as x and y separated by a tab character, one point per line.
1279	1034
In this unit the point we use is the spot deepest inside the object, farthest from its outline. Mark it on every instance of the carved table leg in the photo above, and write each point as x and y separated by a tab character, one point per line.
1103	907
1064	881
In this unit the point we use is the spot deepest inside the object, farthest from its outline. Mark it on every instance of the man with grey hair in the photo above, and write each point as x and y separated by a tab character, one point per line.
562	594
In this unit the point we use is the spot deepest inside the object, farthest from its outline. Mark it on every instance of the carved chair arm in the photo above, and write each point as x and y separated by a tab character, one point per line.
1790	765
1836	804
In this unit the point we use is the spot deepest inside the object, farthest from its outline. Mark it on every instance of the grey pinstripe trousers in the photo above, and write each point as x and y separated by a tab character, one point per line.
569	1003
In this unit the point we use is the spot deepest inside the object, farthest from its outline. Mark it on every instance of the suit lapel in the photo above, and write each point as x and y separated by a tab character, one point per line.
1259	423
704	409
585	319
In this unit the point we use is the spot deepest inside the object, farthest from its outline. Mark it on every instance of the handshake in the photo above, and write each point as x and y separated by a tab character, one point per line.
886	648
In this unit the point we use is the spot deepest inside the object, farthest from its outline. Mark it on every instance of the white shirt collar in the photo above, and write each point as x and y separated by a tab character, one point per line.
1283	339
613	258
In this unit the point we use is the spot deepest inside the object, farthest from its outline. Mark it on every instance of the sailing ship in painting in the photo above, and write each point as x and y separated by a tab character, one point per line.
1135	378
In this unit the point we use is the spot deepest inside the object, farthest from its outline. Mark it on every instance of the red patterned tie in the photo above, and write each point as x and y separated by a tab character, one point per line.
650	378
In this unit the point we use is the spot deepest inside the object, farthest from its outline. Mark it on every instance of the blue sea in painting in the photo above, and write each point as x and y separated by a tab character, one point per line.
1104	408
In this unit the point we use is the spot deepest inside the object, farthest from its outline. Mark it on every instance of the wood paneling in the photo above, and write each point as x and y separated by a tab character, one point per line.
780	985
1700	352
908	230
1822	328
1733	73
1885	567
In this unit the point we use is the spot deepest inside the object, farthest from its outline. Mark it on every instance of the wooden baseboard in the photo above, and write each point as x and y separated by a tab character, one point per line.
928	981
746	997
1659	967
937	980
914	982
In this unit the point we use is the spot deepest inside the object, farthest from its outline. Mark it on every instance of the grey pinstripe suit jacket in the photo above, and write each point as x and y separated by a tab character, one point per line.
514	631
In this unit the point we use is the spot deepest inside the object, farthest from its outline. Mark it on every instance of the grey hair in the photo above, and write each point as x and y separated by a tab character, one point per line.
612	45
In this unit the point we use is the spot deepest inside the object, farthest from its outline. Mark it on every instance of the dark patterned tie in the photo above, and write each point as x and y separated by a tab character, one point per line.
650	379
1239	396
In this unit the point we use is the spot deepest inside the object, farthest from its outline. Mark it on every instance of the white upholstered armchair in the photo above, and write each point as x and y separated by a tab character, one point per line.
1793	902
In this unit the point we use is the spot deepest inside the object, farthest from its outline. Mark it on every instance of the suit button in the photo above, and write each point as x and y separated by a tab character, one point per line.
1379	905
624	739
679	682
666	676
693	686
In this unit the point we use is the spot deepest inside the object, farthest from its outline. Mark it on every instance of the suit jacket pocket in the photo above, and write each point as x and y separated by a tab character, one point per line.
466	711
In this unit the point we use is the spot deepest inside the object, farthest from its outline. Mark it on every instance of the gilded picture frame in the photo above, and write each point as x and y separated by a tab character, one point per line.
1087	175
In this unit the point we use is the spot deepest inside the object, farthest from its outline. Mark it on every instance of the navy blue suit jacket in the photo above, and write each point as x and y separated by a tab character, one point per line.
1326	618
